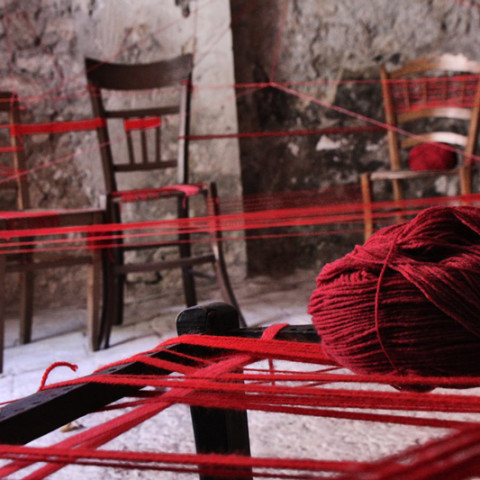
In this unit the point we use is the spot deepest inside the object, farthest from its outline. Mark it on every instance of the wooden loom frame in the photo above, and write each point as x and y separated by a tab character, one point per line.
216	430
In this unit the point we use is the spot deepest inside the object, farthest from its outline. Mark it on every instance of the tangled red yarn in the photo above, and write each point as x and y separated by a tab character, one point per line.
431	156
408	300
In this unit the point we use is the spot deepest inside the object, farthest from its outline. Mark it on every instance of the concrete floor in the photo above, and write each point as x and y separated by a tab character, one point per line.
59	336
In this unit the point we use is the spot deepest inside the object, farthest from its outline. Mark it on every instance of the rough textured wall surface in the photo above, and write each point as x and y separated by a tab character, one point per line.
335	42
331	41
42	49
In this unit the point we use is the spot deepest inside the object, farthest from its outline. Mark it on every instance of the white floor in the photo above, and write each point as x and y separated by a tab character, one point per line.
59	334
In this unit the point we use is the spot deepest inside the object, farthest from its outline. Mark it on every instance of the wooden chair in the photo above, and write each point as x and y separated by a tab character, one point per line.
142	129
29	260
422	92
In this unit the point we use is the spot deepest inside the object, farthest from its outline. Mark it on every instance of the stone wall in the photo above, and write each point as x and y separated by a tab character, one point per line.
43	45
335	42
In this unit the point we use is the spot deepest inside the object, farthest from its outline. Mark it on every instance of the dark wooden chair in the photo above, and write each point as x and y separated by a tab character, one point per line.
26	258
429	100
165	89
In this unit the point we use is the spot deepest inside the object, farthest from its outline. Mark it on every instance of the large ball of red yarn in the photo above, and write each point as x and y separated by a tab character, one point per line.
408	300
432	156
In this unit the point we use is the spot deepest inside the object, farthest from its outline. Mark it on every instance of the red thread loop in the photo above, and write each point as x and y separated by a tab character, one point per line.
57	127
72	366
141	123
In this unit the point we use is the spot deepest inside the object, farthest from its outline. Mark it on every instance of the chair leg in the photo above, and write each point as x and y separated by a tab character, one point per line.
189	287
185	251
224	282
398	199
367	205
26	303
114	256
465	182
116	295
2	309
94	286
112	308
119	299
223	279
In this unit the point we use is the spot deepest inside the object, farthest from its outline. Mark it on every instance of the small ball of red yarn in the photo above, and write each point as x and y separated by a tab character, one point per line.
408	300
432	156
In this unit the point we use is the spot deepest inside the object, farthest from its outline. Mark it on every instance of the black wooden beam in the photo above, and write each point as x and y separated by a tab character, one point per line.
38	414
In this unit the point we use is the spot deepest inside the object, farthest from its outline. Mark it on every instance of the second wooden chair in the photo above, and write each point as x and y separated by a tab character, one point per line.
160	93
432	101
23	229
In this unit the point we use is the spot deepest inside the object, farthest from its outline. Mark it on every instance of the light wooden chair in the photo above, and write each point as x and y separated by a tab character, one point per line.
168	83
25	258
422	92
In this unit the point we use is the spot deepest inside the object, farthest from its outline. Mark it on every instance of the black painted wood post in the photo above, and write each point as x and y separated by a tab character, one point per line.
216	430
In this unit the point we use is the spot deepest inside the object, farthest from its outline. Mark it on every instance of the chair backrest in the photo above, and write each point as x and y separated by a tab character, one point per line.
13	171
142	126
440	87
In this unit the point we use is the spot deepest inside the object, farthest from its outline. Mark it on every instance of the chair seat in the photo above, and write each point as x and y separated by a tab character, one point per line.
39	212
410	174
37	218
136	195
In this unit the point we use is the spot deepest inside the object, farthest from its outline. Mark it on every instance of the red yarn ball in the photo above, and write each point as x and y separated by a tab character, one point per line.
432	156
408	300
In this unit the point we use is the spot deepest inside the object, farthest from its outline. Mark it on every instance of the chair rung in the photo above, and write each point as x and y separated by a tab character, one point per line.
127	247
64	262
166	265
8	185
140	167
206	275
145	112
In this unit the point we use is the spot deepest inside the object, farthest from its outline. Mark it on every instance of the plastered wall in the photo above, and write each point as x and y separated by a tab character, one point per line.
42	50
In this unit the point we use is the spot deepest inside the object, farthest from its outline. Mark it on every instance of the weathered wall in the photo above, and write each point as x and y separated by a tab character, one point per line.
42	47
328	40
